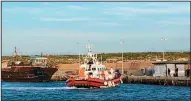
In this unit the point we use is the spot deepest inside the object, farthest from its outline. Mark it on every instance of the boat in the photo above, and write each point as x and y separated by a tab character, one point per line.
37	70
93	74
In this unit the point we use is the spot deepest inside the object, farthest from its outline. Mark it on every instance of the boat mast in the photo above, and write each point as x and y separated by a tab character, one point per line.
16	54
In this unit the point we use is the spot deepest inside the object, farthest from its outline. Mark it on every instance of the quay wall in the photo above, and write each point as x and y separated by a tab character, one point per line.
171	81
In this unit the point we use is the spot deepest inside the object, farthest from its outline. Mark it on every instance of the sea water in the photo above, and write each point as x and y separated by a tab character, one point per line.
58	91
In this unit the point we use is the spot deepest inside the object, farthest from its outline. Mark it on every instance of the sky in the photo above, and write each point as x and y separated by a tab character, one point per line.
57	27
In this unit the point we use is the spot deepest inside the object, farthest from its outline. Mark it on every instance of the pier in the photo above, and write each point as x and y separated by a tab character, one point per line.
174	81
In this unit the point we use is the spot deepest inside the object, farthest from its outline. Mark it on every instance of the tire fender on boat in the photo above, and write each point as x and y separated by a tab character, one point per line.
105	83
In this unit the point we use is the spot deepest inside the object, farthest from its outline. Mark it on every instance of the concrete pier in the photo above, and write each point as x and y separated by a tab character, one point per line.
174	81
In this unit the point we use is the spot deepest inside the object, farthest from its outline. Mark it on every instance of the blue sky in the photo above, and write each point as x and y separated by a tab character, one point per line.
56	27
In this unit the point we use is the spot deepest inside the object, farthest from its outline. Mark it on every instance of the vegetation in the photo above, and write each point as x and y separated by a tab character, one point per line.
152	56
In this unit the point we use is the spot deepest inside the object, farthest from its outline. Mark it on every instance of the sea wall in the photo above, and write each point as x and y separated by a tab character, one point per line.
174	81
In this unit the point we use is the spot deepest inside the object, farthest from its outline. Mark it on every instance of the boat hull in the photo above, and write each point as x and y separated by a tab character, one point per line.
27	74
92	82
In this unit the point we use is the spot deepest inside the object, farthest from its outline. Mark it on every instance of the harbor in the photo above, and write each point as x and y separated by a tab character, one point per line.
152	75
91	51
136	72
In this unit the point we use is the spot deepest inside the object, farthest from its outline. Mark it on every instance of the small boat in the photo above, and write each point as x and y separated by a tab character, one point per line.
93	74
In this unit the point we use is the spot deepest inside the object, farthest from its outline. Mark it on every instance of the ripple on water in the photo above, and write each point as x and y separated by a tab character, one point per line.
57	91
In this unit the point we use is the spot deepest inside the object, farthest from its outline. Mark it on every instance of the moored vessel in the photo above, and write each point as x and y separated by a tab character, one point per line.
35	71
93	74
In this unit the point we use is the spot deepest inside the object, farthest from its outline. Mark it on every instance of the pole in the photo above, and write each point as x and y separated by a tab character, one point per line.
163	39
78	53
122	63
122	55
101	59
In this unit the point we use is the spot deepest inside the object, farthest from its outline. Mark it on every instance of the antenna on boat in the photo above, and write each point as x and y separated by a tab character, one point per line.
41	54
15	53
89	46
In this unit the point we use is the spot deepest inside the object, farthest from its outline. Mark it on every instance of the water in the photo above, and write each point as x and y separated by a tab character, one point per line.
58	91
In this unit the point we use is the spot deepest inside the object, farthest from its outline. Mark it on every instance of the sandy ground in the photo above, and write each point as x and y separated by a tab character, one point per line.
127	65
4	64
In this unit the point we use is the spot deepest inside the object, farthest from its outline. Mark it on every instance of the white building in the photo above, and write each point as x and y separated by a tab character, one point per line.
161	68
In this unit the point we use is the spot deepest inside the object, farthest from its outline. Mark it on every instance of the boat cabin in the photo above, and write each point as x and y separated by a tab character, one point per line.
38	60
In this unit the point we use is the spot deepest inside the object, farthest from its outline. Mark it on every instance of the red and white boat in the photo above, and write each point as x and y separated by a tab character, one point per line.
93	74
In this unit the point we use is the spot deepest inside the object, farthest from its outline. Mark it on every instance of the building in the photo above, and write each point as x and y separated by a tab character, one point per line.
161	68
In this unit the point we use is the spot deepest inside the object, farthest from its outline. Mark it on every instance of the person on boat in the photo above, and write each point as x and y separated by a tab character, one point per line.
102	75
90	75
111	70
81	73
96	74
117	73
106	75
110	76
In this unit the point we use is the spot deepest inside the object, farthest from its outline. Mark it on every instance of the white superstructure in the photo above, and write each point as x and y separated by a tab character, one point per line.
91	65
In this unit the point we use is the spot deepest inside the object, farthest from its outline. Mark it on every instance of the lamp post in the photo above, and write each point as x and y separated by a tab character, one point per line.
163	39
79	53
122	42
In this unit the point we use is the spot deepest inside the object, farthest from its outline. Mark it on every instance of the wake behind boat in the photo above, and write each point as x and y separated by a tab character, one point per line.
93	74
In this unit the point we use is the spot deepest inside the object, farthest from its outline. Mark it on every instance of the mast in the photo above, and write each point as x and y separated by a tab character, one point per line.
41	54
16	54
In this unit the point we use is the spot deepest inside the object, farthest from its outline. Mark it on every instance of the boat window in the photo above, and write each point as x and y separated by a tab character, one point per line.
93	69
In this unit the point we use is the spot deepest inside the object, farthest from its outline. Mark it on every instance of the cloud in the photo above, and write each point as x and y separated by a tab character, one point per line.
45	3
71	35
5	21
175	21
75	7
30	10
64	19
69	19
103	23
136	10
